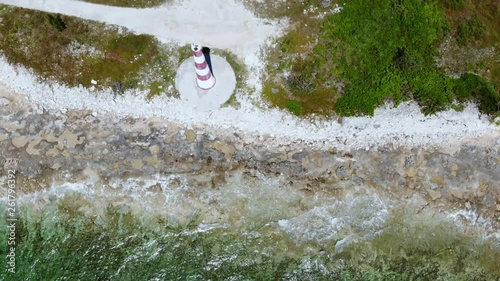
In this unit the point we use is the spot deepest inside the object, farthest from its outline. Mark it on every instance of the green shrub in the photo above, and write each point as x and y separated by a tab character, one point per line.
294	107
381	48
474	86
433	91
56	22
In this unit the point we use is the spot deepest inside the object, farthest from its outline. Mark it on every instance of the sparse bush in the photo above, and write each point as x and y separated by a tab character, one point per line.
56	22
469	30
294	107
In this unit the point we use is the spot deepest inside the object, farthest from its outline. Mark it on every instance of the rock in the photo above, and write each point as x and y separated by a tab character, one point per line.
153	161
137	164
409	161
52	152
457	193
3	137
341	172
155	149
317	159
453	166
19	142
411	172
190	136
4	102
56	166
66	153
434	194
227	149
70	139
498	207
437	179
32	151
326	3
146	132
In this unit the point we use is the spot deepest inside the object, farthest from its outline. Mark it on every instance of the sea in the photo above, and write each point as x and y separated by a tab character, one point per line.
245	227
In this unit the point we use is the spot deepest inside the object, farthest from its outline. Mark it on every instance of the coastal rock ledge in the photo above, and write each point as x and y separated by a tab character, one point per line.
56	145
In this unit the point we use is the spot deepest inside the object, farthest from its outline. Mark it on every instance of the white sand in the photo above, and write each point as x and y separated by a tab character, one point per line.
224	24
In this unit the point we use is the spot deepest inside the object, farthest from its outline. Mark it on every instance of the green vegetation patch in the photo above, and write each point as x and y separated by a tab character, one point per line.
384	50
129	3
79	52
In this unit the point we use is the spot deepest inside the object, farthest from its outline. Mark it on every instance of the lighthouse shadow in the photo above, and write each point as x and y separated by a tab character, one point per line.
206	54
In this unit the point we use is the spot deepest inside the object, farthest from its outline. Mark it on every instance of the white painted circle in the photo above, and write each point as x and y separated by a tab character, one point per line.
205	100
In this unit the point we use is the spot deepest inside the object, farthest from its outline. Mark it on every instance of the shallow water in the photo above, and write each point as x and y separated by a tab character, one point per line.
249	228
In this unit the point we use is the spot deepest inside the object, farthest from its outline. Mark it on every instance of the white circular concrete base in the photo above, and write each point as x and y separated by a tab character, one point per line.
206	100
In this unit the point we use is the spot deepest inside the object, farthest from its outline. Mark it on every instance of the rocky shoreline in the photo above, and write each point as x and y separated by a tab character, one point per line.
56	145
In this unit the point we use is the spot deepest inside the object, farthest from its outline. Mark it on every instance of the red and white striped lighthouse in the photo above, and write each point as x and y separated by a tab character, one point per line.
204	78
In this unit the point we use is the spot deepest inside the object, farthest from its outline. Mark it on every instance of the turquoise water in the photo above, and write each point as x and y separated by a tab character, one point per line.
247	229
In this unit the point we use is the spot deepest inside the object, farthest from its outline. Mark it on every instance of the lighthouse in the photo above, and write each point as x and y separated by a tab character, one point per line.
197	86
204	77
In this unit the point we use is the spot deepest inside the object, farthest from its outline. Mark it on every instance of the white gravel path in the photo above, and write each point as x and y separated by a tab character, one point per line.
230	26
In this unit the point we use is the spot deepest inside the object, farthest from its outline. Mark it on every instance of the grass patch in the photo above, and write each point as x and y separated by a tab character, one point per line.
79	52
292	79
319	101
129	3
161	77
470	30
